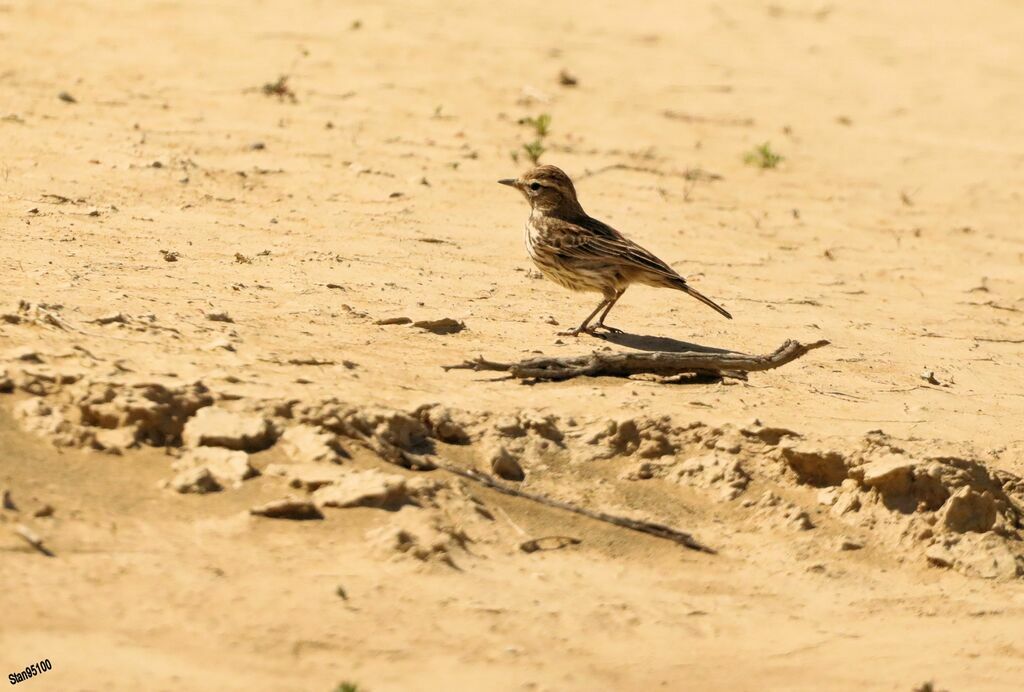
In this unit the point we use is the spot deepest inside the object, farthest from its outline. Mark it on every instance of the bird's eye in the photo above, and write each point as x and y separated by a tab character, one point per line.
534	186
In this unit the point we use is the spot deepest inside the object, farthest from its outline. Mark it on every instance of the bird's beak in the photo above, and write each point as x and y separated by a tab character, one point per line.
511	182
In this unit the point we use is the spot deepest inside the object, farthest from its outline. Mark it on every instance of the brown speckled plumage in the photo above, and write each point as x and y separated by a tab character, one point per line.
581	253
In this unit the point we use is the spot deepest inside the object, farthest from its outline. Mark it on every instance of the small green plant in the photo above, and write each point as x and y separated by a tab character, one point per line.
762	156
534	150
347	686
541	124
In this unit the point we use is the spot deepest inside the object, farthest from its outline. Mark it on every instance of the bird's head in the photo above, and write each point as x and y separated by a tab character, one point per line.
548	190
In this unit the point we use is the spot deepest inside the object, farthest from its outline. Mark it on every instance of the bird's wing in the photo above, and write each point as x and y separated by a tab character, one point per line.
592	240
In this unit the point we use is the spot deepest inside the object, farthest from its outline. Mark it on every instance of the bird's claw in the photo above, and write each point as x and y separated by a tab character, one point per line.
591	330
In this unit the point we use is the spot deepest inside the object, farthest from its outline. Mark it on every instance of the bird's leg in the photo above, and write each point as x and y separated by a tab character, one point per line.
608	308
583	327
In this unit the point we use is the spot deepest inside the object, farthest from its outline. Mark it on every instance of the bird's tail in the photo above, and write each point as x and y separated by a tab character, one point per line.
683	286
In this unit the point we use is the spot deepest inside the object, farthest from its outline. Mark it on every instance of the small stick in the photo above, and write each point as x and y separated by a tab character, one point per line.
33	539
515	526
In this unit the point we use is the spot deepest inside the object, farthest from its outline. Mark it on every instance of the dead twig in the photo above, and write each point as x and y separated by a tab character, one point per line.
626	364
33	539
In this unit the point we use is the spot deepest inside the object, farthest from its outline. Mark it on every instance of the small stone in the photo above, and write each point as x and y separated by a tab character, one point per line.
987	556
364	489
828	496
849	544
309	444
445	325
219	316
115	440
643	471
198	480
814	466
6	501
44	511
504	465
444	423
731	493
307	476
939	556
288	508
655	445
216	427
730	444
111	318
892	474
220	345
968	510
227	466
798	519
846	502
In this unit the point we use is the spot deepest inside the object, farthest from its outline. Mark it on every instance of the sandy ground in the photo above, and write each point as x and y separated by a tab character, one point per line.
890	228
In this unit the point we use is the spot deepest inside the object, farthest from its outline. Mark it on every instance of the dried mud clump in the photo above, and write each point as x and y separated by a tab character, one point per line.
645	438
230	468
197	480
716	470
157	413
103	416
309	444
369	488
446	424
294	508
216	427
387	432
817	467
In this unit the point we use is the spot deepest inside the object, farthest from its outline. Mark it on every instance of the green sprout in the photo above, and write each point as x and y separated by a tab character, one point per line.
762	156
534	150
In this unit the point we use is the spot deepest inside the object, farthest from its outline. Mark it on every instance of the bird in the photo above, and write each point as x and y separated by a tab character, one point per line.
580	253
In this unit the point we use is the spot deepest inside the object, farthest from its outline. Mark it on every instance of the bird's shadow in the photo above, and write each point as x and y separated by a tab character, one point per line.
648	342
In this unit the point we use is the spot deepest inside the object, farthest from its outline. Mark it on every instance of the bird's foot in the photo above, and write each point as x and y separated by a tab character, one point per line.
591	330
610	330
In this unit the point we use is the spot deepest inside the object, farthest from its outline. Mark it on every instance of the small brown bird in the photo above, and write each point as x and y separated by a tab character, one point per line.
583	254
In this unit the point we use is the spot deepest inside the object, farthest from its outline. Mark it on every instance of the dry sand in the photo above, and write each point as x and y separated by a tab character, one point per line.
876	547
